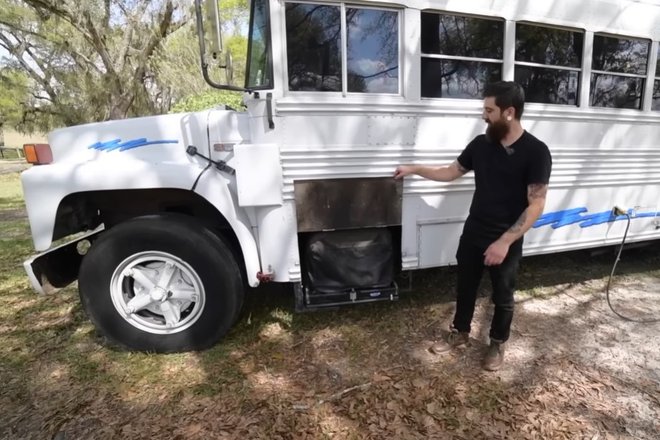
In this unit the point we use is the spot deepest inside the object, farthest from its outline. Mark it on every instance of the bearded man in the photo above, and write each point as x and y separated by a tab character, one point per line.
511	171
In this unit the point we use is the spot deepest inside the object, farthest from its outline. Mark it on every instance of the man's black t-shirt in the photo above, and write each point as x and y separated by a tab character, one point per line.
501	178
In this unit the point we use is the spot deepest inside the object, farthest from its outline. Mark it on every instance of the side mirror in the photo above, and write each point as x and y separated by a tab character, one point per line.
214	26
213	55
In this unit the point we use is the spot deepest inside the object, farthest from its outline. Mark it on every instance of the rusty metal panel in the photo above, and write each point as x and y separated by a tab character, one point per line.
330	204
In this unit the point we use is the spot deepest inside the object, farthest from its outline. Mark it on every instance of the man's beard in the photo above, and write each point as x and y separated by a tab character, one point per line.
496	131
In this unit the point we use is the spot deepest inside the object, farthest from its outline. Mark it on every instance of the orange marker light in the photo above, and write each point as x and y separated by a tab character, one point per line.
38	154
30	153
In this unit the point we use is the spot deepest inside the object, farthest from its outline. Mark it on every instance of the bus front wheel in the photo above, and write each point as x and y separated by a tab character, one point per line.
161	284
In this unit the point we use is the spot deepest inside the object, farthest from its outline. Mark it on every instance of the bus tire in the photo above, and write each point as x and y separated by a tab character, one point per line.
161	284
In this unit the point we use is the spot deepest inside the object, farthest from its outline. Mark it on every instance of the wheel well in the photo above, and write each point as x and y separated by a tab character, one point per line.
87	210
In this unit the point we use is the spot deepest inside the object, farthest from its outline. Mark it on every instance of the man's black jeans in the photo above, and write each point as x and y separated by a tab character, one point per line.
503	278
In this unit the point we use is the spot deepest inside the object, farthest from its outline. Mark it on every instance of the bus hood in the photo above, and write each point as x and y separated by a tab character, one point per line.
161	138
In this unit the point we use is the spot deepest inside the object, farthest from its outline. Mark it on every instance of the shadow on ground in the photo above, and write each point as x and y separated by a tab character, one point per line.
355	372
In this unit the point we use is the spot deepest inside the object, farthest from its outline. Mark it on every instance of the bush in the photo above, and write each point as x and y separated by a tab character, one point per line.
208	100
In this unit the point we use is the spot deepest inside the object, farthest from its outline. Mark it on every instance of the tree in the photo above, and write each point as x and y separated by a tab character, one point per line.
93	60
177	67
178	62
13	93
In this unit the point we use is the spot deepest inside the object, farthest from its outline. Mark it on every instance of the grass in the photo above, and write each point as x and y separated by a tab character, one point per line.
11	196
59	376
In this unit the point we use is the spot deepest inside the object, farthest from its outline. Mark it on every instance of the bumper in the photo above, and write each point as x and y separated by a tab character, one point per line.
58	267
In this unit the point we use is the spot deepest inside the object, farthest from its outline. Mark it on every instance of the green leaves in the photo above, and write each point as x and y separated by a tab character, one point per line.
13	92
209	99
90	61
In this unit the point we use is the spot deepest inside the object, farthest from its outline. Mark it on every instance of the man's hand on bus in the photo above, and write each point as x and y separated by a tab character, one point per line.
403	171
496	253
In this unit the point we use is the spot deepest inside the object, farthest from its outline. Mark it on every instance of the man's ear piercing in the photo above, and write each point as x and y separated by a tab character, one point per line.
508	118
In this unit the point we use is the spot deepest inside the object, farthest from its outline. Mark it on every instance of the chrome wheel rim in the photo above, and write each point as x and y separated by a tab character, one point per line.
157	292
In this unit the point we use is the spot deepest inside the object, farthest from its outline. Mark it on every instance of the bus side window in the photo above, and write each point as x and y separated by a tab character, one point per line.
618	71
460	55
313	43
548	63
314	49
373	50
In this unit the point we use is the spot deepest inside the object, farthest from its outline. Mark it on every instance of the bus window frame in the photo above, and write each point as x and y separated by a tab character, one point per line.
344	93
654	64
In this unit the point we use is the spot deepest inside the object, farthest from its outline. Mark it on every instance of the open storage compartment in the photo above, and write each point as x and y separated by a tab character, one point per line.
347	246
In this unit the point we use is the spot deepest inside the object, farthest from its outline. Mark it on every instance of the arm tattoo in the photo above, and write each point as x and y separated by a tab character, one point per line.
517	226
537	190
460	167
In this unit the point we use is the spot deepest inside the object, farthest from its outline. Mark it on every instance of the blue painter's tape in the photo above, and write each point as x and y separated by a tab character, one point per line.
553	217
572	216
117	144
142	144
105	145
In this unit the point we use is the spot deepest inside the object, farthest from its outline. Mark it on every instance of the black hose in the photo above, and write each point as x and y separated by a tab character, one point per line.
200	175
609	281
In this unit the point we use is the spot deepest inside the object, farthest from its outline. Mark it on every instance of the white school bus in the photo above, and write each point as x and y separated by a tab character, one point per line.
176	215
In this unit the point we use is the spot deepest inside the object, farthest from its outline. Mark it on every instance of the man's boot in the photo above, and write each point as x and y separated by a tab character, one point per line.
494	356
453	339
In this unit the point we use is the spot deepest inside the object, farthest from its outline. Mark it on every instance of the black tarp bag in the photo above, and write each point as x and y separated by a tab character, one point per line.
349	259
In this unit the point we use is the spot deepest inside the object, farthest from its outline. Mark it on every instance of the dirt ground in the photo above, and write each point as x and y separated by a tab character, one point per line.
573	369
13	166
576	362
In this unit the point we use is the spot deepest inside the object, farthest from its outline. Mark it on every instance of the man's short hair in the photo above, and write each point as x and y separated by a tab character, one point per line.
507	94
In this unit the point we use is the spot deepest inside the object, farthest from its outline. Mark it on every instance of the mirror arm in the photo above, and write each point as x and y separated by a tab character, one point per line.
209	81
